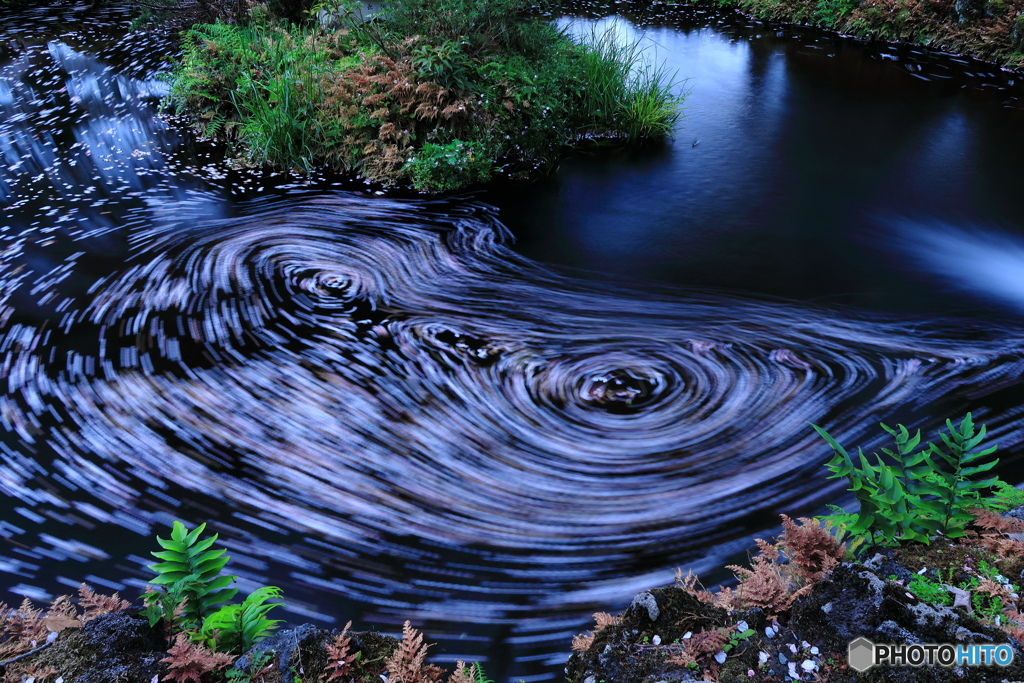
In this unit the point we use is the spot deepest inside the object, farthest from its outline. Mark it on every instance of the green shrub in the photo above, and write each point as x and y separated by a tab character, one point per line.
236	628
487	26
443	168
917	494
830	12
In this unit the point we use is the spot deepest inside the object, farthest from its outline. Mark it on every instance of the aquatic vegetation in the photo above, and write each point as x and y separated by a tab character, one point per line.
621	84
378	97
913	497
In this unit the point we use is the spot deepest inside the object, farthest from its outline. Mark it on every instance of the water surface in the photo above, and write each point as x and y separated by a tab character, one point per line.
400	408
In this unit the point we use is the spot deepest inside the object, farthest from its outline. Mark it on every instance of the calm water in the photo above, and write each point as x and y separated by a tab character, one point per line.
495	414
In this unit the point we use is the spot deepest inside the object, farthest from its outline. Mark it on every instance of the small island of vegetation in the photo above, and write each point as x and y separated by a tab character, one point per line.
434	94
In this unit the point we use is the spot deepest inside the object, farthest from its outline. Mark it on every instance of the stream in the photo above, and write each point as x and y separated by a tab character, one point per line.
496	413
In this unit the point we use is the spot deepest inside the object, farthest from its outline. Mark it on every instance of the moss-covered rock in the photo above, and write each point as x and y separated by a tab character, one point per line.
119	647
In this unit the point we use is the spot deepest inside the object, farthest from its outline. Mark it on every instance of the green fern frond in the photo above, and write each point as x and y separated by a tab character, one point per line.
190	577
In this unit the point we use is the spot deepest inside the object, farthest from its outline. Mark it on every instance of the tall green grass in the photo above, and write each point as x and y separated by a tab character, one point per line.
263	84
624	91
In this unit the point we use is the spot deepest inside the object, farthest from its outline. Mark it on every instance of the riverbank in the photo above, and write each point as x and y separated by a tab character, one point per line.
990	30
791	618
790	621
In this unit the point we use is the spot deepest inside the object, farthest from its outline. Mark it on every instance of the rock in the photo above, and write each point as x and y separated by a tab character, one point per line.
647	602
860	603
302	648
112	648
966	10
625	652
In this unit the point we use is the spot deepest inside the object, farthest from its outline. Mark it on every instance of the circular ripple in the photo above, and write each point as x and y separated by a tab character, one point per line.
387	380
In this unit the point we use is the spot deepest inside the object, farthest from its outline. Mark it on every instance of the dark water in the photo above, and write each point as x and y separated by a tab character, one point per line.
394	409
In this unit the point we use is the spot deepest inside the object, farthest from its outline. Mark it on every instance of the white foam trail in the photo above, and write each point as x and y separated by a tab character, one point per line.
986	261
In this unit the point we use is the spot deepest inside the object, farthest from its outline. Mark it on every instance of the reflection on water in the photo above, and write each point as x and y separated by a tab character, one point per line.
795	150
381	406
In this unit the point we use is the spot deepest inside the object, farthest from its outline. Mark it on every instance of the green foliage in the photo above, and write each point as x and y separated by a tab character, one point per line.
622	92
263	84
432	93
478	674
916	494
1004	497
486	26
737	637
444	63
236	628
442	168
830	12
930	591
260	660
190	575
937	592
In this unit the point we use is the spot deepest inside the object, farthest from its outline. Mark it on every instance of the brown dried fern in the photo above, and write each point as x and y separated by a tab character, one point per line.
402	109
96	604
700	647
406	663
21	629
339	654
583	641
691	584
463	673
188	661
764	585
812	551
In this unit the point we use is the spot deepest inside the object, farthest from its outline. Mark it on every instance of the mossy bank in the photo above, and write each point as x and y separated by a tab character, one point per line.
991	30
434	94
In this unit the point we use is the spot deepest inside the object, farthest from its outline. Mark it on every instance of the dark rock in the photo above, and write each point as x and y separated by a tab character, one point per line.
1017	512
645	603
854	601
967	10
626	653
301	648
119	647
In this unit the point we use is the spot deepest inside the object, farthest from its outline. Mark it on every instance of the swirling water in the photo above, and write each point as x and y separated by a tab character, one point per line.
381	404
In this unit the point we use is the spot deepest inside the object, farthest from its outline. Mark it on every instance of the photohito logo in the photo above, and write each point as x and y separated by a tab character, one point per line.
864	654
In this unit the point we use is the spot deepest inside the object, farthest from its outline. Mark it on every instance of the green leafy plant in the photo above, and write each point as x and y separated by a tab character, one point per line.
432	93
478	674
190	577
917	494
259	661
929	590
737	637
236	628
191	591
441	168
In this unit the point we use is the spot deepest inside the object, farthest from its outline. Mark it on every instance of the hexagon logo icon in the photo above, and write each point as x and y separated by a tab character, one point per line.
862	654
